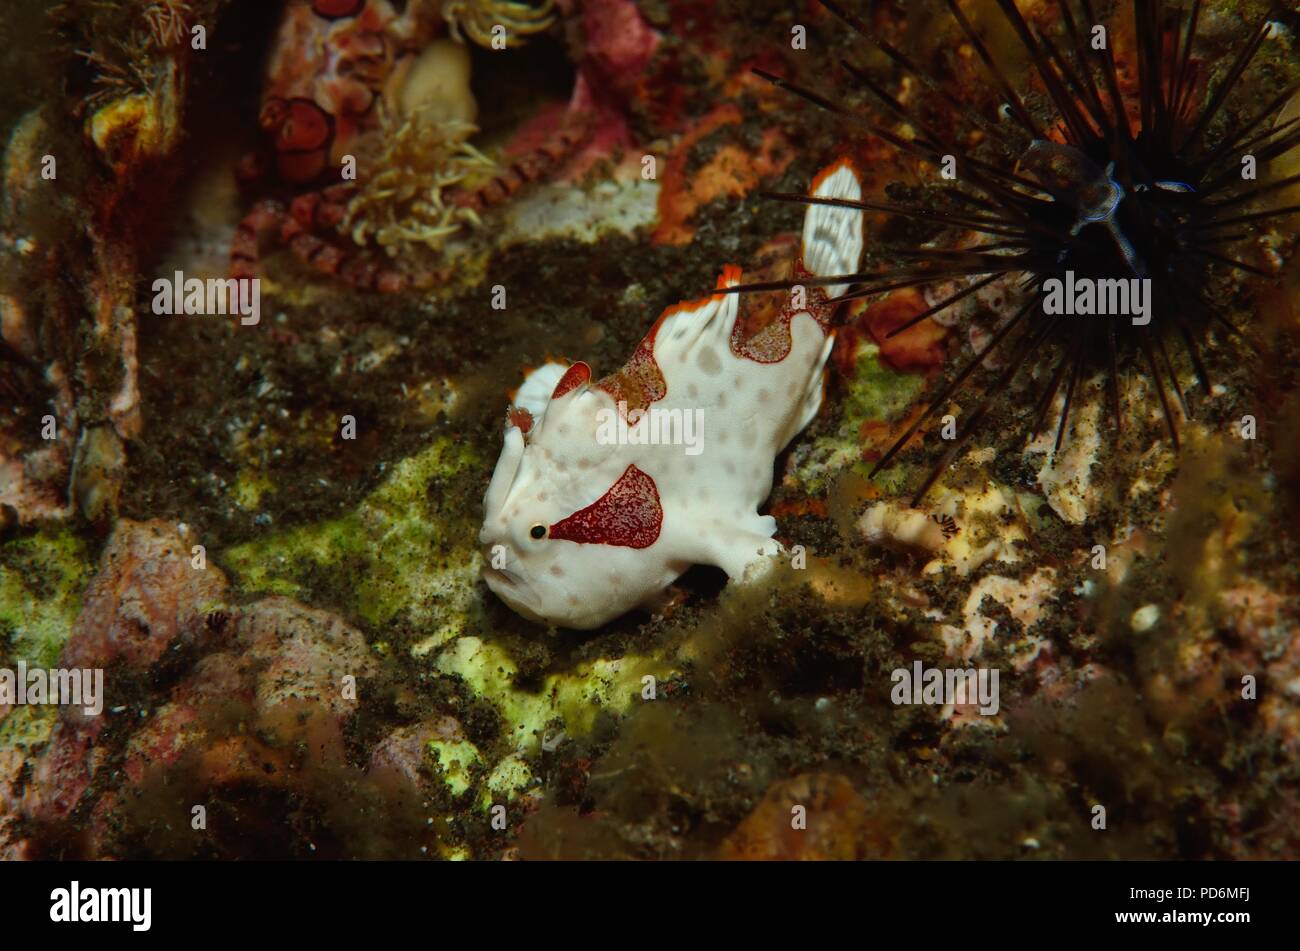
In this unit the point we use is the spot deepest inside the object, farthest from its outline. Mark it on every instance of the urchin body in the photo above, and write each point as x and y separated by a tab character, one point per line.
1087	180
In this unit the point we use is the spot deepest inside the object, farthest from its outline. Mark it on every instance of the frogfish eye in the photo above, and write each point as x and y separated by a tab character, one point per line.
538	531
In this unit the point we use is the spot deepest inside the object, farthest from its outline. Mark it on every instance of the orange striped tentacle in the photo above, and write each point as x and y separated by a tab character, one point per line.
527	168
266	217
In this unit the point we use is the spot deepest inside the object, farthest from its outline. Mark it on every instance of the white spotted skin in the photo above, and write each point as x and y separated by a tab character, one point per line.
710	501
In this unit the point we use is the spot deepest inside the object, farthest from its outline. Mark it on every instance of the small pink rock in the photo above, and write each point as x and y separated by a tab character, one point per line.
64	771
619	41
146	598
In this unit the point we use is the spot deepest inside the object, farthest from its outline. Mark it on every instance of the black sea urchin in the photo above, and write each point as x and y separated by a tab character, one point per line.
1084	182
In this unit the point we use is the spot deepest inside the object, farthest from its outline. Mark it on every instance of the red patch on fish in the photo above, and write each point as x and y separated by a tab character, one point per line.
640	381
573	378
520	417
773	343
337	9
629	515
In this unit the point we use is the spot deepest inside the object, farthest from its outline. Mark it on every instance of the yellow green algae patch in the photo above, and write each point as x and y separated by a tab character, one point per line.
511	777
455	759
406	547
875	392
249	489
41	580
575	697
458	762
567	704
